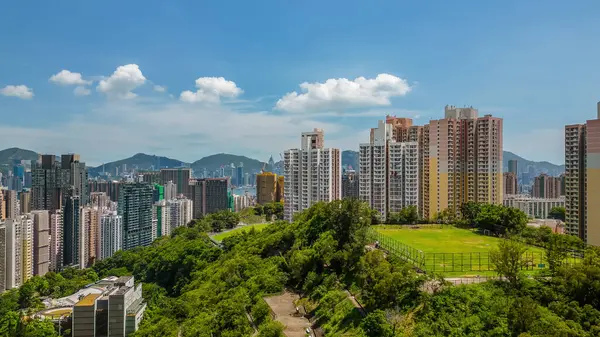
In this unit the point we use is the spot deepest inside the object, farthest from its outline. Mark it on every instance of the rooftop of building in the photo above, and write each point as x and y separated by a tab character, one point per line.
88	300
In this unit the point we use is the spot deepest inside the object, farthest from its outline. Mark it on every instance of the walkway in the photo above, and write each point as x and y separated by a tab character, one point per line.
285	312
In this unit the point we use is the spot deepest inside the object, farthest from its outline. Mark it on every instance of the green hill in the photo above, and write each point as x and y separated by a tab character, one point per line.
215	161
141	160
14	153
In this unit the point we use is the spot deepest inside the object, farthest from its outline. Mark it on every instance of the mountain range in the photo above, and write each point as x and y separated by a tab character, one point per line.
213	162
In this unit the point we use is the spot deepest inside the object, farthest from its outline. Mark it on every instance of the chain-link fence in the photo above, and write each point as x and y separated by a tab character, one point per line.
457	262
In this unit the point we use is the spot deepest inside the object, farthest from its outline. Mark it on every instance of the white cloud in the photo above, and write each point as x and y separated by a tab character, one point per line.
65	77
342	93
211	89
121	83
81	91
191	132
160	88
20	91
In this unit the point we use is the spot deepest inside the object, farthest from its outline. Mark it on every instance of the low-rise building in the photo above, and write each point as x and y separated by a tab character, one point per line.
537	208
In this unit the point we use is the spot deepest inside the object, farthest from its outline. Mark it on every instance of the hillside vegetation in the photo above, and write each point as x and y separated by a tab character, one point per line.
194	288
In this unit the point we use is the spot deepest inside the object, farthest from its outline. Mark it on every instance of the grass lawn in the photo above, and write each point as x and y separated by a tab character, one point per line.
221	236
449	250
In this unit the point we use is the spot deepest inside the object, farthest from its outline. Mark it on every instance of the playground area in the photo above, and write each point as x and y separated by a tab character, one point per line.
446	249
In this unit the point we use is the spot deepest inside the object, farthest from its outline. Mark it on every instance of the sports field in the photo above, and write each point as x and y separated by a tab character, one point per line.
447	250
221	236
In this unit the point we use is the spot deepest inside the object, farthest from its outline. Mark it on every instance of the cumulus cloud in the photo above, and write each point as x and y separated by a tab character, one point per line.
20	91
122	82
81	91
211	89
343	93
65	77
160	88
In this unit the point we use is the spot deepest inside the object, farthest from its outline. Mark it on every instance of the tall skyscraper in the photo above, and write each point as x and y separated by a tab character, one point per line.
512	166
41	242
210	195
582	180
389	168
99	199
53	180
56	240
72	231
312	174
13	253
111	234
510	184
180	177
180	212
135	206
75	173
240	174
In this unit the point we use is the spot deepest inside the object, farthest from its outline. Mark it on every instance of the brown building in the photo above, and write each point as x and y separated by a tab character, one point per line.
582	180
209	195
350	184
510	184
2	206
547	187
25	202
462	159
180	177
268	188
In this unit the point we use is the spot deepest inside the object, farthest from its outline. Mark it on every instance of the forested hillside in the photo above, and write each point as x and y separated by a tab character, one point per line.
195	288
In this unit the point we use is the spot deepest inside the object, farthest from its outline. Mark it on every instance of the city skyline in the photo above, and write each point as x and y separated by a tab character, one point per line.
257	94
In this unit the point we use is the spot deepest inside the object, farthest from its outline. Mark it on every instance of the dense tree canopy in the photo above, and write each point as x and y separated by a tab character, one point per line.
194	288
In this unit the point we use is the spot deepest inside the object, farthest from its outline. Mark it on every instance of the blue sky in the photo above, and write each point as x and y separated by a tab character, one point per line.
534	63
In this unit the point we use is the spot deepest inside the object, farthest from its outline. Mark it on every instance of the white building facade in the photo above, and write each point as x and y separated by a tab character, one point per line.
388	172
312	174
536	208
111	234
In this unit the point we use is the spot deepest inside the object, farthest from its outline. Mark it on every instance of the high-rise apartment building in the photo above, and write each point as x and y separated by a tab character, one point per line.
389	169
582	180
210	195
180	212
25	202
41	242
111	188
72	231
3	256
312	173
180	177
89	236
170	190
268	187
135	206
350	184
2	206
26	248
510	184
463	160
54	180
12	205
160	216
12	253
513	166
545	186
56	240
99	199
110	235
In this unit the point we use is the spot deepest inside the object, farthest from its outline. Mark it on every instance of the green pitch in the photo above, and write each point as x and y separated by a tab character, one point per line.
221	236
447	250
